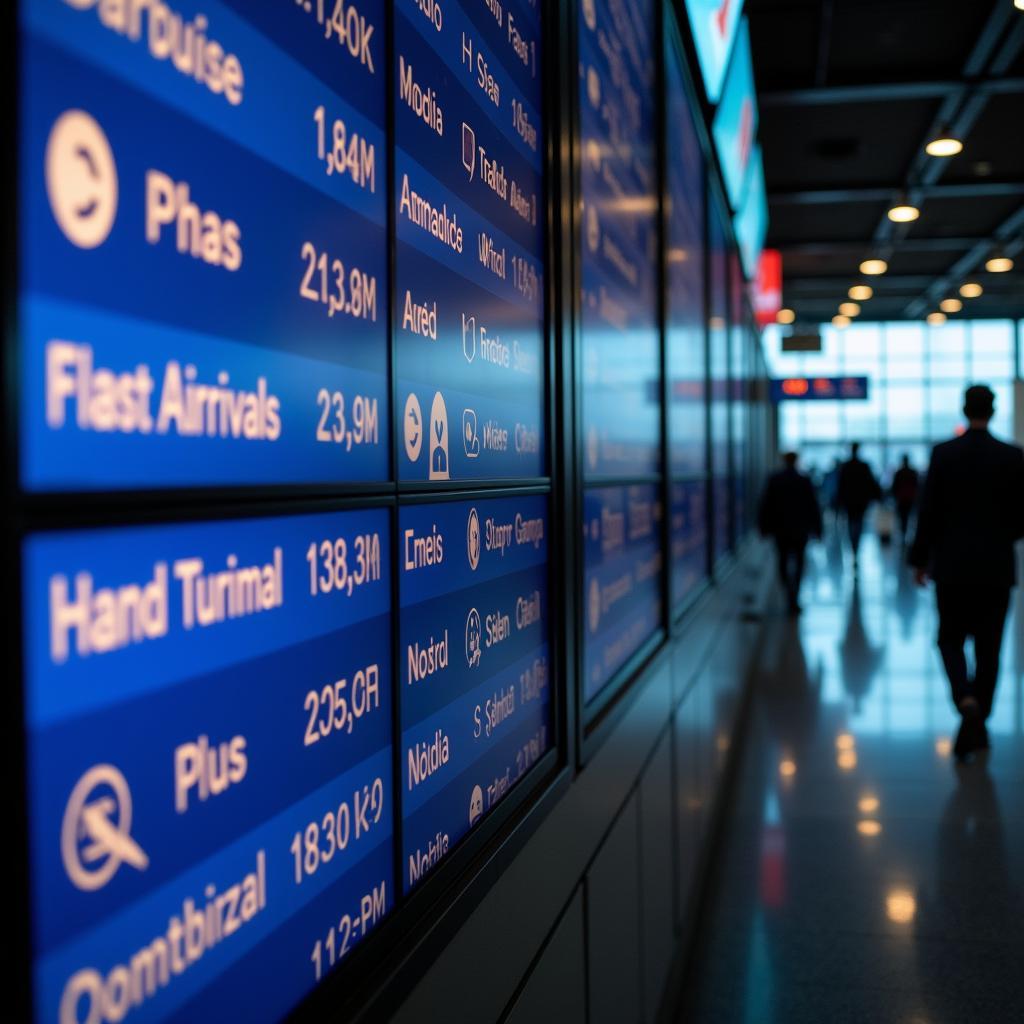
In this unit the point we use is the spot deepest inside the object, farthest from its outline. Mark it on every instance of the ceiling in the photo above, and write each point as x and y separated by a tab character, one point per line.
850	91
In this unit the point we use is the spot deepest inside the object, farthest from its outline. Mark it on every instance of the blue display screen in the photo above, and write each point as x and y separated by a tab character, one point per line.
203	290
735	125
689	537
687	363
473	687
620	345
751	222
470	236
718	365
713	23
208	714
622	599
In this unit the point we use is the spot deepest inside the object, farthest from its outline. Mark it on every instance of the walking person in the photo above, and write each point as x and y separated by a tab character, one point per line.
906	484
972	512
789	513
856	490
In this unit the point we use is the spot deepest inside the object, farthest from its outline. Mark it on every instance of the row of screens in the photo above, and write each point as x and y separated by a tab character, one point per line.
249	739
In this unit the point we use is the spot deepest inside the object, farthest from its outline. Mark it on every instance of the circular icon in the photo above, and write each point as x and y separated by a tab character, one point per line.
473	638
413	427
473	539
476	805
590	14
594	87
81	179
95	836
594	606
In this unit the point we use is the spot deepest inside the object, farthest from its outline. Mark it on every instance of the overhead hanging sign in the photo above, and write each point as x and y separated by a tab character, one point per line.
713	23
735	123
804	389
768	287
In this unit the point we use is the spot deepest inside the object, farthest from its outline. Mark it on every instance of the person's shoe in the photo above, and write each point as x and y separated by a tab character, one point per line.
972	735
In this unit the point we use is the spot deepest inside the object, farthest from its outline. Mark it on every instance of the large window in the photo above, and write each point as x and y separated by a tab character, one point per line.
917	375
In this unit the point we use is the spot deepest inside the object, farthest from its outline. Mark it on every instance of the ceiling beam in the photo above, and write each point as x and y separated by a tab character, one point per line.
906	245
1010	233
884	92
856	194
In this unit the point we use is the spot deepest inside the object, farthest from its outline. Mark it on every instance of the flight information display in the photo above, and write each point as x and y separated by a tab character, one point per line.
687	362
623	560
689	537
203	247
718	365
208	713
473	677
620	351
470	236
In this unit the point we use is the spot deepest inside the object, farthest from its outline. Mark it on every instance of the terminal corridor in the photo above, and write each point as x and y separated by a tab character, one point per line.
866	876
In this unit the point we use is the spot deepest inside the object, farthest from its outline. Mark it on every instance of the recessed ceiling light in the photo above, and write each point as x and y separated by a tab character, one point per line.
999	264
944	144
903	213
951	305
1019	4
874	267
840	322
936	319
861	292
971	289
785	316
849	308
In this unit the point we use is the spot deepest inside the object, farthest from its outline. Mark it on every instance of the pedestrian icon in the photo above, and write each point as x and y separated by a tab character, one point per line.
95	837
438	439
473	638
81	179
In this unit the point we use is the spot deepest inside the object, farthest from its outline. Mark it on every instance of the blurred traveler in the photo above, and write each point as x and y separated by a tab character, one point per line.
906	483
856	490
972	512
790	515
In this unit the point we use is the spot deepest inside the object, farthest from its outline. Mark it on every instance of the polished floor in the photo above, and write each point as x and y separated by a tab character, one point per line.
864	875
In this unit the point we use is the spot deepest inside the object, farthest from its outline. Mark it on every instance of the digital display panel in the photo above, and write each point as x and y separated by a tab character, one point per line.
208	717
687	362
474	664
718	349
203	254
619	351
689	537
470	236
751	223
622	594
713	23
735	124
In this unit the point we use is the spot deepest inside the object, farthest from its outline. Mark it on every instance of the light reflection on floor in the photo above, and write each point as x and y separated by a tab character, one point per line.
864	876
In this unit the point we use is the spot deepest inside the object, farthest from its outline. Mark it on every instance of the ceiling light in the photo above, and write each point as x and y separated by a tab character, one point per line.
951	305
867	827
998	263
1019	4
861	292
840	322
785	316
868	804
874	267
849	308
936	319
971	289
944	144
903	213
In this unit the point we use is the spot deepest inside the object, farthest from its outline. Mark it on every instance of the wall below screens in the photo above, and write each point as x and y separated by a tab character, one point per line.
388	421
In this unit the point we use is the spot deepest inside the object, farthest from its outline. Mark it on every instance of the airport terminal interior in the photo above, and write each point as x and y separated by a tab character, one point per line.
630	393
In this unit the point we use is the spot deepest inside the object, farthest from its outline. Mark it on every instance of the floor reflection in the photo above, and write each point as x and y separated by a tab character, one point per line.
864	876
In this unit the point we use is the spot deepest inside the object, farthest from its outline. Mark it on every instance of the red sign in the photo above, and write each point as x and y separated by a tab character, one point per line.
768	287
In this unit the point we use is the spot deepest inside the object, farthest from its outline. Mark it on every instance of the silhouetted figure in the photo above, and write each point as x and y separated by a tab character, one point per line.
972	512
856	490
905	486
790	515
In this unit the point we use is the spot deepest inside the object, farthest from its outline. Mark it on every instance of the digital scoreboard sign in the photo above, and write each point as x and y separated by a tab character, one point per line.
209	727
203	274
473	677
266	244
469	215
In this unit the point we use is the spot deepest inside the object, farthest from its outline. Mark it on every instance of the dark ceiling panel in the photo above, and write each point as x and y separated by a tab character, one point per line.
962	217
847	222
784	35
990	151
860	144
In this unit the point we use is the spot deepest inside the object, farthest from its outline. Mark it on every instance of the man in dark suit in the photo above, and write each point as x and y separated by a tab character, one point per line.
857	489
972	512
790	514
